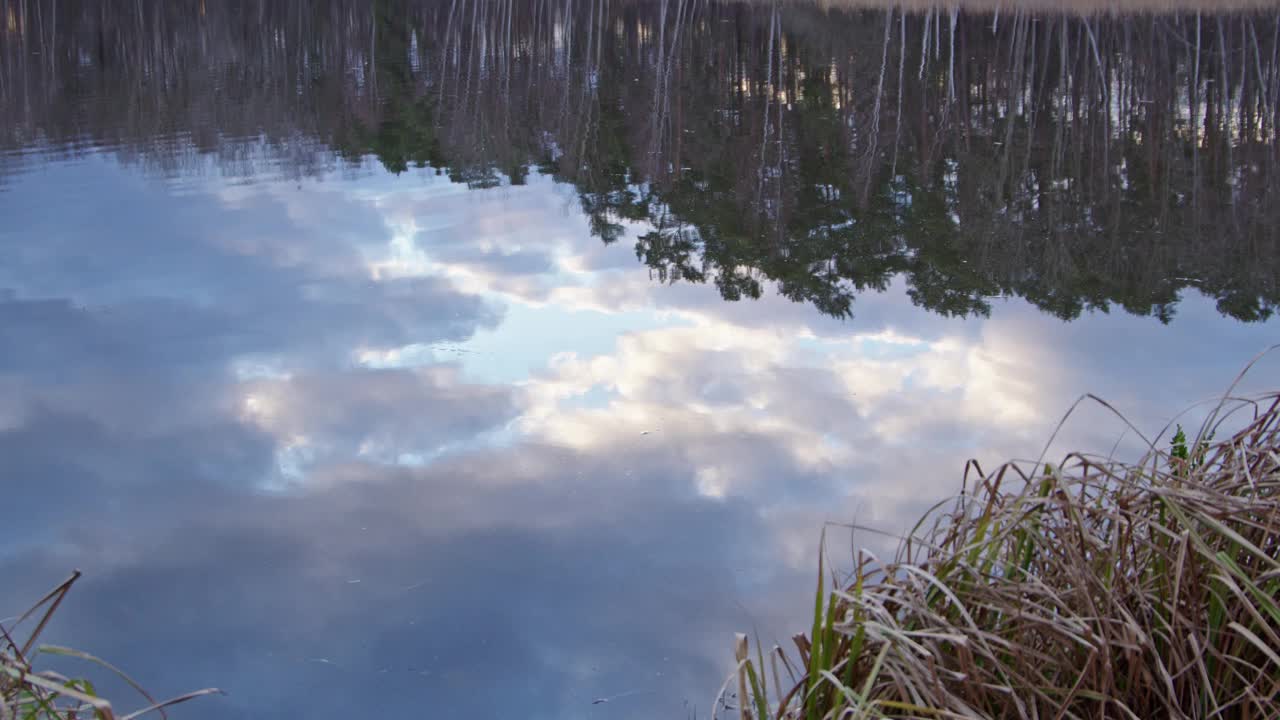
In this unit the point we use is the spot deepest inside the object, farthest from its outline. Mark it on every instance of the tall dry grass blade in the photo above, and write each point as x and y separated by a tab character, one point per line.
171	702
69	652
54	596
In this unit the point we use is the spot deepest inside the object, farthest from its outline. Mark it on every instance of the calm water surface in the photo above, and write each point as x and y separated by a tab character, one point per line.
485	359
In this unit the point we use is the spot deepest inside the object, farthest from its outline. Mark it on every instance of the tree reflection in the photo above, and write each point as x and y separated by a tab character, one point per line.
1079	162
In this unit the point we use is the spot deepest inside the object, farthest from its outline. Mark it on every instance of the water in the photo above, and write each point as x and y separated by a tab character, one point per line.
489	359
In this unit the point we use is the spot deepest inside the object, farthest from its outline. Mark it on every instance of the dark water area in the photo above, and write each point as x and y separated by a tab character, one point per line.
490	358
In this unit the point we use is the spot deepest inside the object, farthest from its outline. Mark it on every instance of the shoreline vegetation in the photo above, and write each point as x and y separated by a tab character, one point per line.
30	694
1089	589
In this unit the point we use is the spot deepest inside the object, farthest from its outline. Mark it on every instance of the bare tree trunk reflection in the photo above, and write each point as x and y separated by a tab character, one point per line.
1077	161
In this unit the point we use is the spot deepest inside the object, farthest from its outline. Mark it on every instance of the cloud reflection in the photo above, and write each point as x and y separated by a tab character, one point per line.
263	422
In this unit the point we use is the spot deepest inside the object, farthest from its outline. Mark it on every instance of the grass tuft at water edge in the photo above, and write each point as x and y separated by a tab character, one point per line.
30	694
1088	589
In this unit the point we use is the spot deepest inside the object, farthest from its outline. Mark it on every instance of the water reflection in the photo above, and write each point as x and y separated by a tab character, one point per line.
312	357
1076	162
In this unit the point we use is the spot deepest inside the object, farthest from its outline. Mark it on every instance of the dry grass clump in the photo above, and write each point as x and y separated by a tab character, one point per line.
1092	589
28	694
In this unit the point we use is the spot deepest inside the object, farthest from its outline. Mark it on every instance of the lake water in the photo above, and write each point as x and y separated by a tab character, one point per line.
478	358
